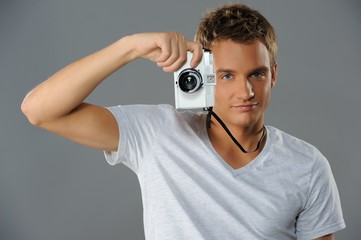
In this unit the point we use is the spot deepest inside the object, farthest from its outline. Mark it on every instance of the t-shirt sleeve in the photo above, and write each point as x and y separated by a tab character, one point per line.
322	214
139	127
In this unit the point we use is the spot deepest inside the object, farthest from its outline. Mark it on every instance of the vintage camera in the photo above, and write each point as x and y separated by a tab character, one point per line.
194	87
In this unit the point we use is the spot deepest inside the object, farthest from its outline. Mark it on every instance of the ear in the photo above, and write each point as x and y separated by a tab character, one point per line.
274	75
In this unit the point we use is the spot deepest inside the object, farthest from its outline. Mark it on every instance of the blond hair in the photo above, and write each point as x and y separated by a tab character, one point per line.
238	23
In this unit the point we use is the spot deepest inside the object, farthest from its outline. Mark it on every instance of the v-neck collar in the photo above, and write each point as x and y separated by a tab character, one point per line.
257	161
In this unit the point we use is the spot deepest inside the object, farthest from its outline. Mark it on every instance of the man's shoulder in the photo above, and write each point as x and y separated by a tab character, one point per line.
162	112
292	145
143	107
142	110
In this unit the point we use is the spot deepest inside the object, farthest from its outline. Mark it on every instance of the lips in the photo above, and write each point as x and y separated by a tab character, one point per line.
245	107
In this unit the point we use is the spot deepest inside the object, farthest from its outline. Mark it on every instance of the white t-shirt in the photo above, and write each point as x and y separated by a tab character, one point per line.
190	192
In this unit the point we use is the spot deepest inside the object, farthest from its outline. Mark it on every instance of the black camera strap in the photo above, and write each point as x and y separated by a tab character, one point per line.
211	113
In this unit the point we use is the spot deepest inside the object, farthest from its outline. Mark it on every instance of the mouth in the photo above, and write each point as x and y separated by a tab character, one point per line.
245	107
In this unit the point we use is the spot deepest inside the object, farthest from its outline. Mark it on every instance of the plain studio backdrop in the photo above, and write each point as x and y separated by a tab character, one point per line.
52	189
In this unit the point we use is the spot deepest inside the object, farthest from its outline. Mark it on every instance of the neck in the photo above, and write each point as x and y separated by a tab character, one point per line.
237	134
229	151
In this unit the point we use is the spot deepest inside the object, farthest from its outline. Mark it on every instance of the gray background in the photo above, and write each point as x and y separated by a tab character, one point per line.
53	189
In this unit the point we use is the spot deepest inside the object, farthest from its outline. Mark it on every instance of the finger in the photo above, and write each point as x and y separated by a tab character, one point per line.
165	48
169	46
183	52
197	51
176	65
177	40
181	59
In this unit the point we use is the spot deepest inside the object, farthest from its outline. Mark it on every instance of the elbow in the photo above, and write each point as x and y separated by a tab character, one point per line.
28	112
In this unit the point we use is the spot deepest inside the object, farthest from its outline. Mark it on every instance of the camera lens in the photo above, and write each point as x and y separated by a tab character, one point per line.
190	80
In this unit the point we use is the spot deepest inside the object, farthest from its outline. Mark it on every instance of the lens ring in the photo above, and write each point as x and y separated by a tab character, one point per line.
189	80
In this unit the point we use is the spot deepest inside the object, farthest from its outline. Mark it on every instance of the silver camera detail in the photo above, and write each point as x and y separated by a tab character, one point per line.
194	87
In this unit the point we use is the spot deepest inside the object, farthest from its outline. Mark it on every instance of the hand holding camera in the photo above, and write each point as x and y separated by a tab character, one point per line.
194	86
167	49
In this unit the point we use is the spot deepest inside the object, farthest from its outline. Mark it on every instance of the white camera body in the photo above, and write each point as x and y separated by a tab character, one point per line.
194	87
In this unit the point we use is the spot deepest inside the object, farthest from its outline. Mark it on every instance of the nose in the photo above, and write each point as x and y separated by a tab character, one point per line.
244	89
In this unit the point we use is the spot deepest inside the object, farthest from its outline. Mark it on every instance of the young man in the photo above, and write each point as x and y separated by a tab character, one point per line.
196	183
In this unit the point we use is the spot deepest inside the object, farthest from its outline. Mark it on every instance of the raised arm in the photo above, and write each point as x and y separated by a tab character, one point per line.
57	104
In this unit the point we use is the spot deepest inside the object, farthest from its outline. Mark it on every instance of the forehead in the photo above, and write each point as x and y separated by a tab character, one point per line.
232	55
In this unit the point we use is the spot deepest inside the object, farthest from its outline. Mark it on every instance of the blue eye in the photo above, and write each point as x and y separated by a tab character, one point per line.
258	75
227	76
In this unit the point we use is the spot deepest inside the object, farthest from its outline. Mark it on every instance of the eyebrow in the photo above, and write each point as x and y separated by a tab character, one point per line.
258	69
262	68
224	70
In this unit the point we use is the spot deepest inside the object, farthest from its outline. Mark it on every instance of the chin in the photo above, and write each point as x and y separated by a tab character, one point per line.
240	122
244	120
239	119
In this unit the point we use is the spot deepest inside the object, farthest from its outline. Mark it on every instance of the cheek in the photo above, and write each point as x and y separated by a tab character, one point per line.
262	88
266	95
220	92
218	97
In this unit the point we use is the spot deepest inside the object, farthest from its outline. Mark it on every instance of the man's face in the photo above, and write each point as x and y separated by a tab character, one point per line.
244	81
